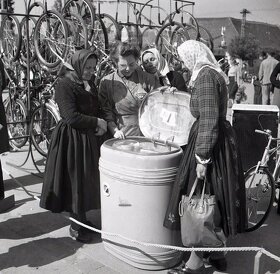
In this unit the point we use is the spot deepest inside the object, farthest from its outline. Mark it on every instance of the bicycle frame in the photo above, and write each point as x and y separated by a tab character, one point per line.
268	152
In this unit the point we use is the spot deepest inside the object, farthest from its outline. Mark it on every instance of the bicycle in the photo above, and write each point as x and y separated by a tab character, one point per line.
44	120
260	185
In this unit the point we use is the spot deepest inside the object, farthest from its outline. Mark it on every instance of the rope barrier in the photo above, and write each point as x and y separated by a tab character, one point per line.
259	250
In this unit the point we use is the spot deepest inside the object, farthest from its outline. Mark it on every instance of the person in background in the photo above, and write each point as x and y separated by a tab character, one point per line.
234	79
266	68
275	81
154	63
257	83
122	91
211	153
224	64
71	181
4	138
179	66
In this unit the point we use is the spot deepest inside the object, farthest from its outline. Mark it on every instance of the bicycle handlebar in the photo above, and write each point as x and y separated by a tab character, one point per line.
268	133
265	132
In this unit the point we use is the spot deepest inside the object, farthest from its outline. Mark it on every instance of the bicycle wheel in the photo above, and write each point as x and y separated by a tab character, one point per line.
131	34
148	37
30	41
187	20
99	39
206	37
260	192
112	27
77	32
16	114
43	122
10	39
84	8
179	36
277	184
50	39
36	8
164	38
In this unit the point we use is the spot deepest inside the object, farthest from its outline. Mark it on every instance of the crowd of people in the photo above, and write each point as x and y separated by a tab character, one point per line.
71	181
91	115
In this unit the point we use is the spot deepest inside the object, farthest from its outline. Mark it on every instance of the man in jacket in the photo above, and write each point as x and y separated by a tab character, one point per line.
266	68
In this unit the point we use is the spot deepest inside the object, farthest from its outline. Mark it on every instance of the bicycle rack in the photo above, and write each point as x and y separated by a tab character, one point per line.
134	7
28	117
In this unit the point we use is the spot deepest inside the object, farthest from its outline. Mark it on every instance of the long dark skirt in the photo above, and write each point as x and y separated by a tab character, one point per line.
232	87
2	189
71	181
257	92
226	177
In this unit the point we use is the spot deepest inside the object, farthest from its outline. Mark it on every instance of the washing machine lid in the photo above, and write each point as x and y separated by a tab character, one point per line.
166	116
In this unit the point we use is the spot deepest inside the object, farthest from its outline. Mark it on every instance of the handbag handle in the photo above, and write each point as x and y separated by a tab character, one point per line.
194	187
181	208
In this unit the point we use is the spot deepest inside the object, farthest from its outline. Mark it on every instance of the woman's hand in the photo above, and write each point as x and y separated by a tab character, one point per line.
201	171
168	89
119	134
102	124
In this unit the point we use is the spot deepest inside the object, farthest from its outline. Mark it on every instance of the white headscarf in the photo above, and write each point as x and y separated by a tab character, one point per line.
162	68
196	56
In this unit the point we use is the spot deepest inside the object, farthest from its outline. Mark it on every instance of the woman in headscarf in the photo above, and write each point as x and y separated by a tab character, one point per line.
122	92
71	181
211	153
153	62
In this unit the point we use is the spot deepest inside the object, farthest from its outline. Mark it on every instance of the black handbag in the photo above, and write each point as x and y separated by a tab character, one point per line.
197	214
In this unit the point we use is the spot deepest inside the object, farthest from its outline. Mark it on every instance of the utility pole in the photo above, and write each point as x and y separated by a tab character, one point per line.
244	12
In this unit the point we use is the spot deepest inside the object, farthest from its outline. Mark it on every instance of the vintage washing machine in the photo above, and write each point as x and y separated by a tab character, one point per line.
136	177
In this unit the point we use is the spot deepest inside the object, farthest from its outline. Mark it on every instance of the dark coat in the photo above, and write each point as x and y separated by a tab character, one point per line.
71	181
176	80
4	139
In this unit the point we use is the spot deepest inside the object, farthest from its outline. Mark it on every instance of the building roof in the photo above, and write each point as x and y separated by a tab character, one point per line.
268	35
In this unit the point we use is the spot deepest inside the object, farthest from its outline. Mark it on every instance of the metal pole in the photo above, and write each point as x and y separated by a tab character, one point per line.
28	63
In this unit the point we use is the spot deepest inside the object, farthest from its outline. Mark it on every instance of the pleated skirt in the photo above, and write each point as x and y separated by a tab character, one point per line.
71	180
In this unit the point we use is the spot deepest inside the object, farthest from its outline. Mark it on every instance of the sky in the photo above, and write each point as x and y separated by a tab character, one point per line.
267	11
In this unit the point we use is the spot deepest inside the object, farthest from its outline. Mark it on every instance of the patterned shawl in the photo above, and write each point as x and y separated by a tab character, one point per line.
196	56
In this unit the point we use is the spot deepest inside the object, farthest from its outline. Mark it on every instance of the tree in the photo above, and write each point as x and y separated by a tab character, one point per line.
245	48
58	5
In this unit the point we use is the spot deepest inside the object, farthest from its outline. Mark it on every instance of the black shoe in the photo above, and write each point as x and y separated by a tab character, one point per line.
186	270
219	264
89	230
80	235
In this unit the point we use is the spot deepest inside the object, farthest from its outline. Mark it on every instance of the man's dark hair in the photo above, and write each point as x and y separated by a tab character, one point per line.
263	54
123	49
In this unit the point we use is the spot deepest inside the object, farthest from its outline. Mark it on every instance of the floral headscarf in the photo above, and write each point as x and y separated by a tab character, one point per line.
78	61
162	68
196	56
